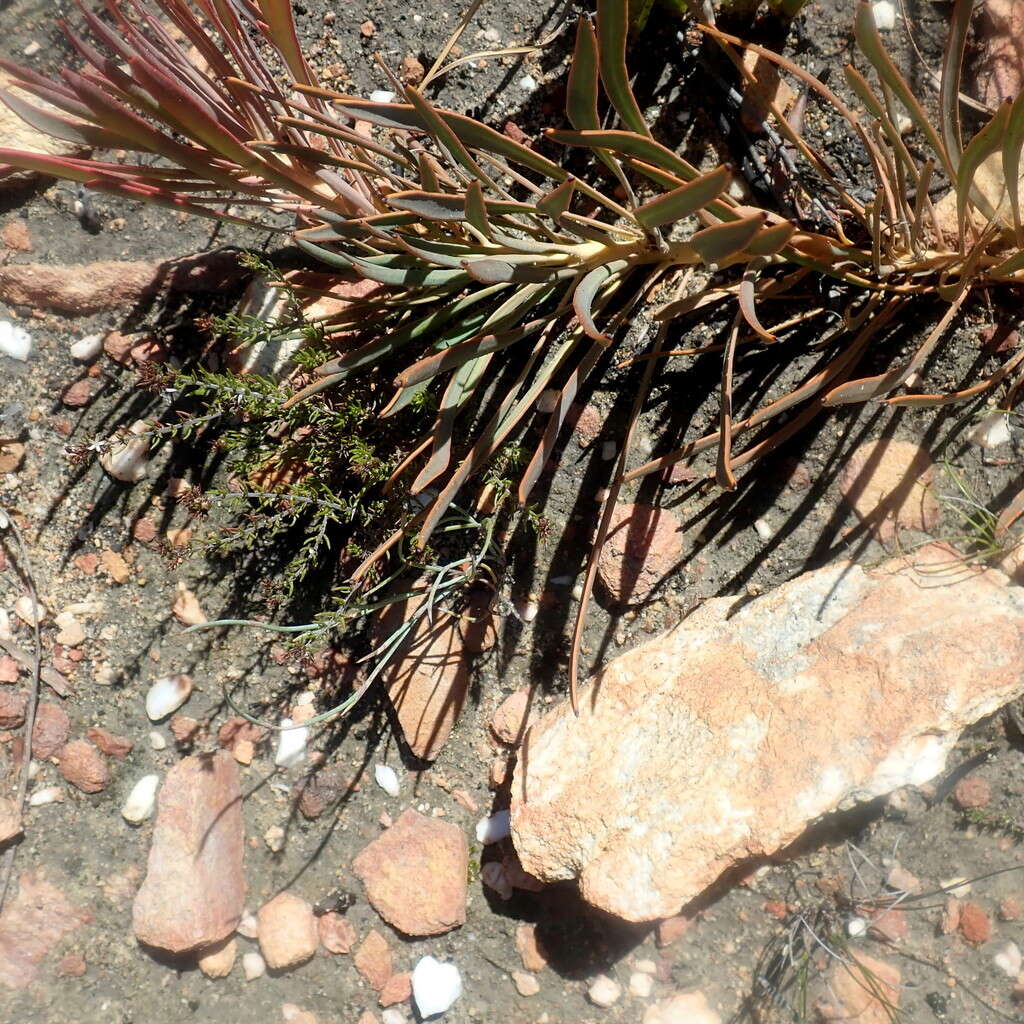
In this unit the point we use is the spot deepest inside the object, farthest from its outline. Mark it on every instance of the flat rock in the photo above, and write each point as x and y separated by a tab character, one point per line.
643	546
415	874
193	895
33	922
888	484
718	742
428	679
373	960
864	990
682	1008
287	931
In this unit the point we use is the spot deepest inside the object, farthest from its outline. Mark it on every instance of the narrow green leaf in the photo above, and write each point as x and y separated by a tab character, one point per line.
685	200
1012	144
469	131
476	209
988	141
612	28
392	272
581	91
870	43
716	244
585	293
949	85
629	144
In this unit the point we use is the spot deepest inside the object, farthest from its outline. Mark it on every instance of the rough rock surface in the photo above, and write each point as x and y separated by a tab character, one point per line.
33	922
287	931
866	991
428	681
415	874
194	892
643	545
719	741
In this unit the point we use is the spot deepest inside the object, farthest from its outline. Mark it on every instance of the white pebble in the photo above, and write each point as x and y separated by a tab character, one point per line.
494	876
885	15
86	349
762	529
492	35
856	927
29	611
248	926
957	886
991	430
526	609
128	461
493	829
1009	959
641	985
141	800
435	986
167	695
48	795
527	83
291	744
15	341
381	96
604	991
254	966
386	777
647	967
157	741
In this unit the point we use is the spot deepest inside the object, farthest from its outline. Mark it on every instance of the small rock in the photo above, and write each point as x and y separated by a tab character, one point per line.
530	950
885	15
415	875
411	71
254	966
111	745
293	1014
382	96
142	800
1009	960
604	991
397	989
194	891
15	341
435	986
10	820
167	695
385	777
671	929
9	670
184	729
866	990
527	83
684	1008
888	926
975	924
367	30
373	960
115	566
1010	909
287	931
30	612
900	879
494	828
514	716
79	393
291	744
84	767
217	961
275	837
316	792
949	922
643	546
127	460
186	608
50	731
72	965
12	709
248	926
526	984
641	985
336	934
15	235
492	874
87	348
972	792
992	430
12	454
157	741
71	633
46	795
888	483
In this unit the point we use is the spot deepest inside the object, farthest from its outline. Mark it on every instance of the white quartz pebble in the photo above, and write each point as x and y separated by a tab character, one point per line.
141	800
167	695
493	829
386	777
435	986
291	744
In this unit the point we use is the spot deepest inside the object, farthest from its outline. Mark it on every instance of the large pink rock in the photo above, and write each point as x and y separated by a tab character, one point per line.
719	741
194	891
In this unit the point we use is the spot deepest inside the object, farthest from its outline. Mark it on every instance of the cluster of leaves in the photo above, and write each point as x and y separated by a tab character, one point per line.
502	276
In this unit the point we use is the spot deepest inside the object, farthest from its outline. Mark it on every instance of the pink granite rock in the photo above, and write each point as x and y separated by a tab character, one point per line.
415	874
194	891
642	547
719	741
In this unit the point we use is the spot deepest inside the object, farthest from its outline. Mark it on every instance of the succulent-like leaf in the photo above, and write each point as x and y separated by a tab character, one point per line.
716	244
612	29
581	89
685	200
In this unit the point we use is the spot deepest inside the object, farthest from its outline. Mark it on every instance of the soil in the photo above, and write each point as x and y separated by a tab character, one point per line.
785	517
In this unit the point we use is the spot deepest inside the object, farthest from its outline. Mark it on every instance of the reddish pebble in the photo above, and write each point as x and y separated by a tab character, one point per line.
515	133
12	709
118	347
397	989
373	960
71	966
671	929
950	920
111	745
1009	909
83	766
15	235
87	563
589	425
888	926
972	792
50	732
183	728
9	670
144	531
975	924
529	947
336	934
78	394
